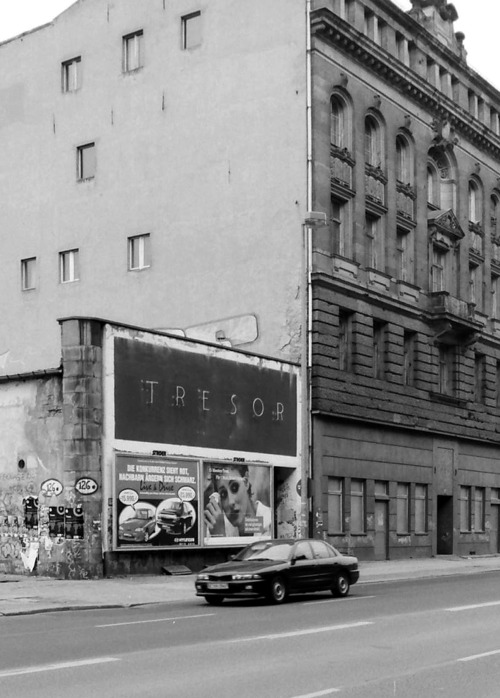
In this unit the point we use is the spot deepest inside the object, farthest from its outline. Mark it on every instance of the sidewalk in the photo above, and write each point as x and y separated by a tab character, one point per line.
21	595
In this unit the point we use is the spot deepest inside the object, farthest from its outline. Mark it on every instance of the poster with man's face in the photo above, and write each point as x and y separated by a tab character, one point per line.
156	501
236	502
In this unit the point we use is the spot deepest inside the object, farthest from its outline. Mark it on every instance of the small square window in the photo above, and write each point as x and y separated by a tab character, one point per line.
191	30
139	252
133	50
71	75
69	266
28	274
86	161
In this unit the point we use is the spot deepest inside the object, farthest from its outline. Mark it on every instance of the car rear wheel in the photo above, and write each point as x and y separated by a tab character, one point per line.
341	585
278	591
214	600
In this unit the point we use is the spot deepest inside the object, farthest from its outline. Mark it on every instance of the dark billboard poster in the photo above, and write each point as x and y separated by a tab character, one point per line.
173	396
156	501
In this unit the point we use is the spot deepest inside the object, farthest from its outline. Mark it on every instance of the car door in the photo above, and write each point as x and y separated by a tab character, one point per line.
302	572
327	564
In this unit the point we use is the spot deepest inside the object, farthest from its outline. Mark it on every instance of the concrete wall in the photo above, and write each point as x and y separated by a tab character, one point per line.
203	149
30	453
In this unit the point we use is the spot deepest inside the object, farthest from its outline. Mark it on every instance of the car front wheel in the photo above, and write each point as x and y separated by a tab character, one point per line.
278	591
341	585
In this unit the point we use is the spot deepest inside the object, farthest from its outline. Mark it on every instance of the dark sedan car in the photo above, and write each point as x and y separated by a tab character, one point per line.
276	568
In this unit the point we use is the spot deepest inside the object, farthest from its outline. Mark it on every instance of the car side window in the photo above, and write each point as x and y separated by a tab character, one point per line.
321	550
303	551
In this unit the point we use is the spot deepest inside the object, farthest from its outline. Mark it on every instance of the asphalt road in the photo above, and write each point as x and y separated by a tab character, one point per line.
431	638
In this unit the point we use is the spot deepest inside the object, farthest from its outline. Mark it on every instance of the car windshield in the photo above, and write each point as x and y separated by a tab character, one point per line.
173	506
266	551
142	514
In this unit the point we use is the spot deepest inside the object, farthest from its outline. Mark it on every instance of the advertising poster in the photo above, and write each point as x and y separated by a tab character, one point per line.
236	502
156	501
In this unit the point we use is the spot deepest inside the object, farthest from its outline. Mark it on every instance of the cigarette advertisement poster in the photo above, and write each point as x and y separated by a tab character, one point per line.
156	501
236	502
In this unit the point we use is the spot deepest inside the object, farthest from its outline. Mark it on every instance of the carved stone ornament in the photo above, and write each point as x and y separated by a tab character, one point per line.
445	138
444	226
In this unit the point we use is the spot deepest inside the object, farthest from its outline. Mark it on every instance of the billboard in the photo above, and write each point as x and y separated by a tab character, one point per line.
166	394
236	502
156	501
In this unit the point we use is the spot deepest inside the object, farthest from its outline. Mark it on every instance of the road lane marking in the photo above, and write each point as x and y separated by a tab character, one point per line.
478	656
327	692
349	598
56	667
307	631
155	620
471	607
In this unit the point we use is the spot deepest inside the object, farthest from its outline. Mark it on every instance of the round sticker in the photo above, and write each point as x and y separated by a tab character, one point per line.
186	493
86	485
128	497
51	487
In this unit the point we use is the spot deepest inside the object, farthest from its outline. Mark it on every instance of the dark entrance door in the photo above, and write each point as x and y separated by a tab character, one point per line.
444	525
495	529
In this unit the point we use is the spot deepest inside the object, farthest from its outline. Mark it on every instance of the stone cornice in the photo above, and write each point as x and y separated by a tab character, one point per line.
328	27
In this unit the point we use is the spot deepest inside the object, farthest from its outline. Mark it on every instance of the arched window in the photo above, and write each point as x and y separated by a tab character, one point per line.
495	215
432	186
475	202
337	123
373	142
404	165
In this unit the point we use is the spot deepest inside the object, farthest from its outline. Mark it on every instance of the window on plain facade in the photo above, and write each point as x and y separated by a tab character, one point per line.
409	348
191	30
69	266
340	226
379	332
475	285
86	161
404	254
446	370
420	508
139	252
479	508
403	508
375	239
28	274
479	377
358	506
439	268
345	340
335	505
133	49
71	74
465	508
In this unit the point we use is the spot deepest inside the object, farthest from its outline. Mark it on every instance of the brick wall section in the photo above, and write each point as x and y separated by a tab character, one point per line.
82	435
358	395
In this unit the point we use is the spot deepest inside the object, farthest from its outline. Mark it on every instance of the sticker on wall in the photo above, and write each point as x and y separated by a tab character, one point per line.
86	485
51	488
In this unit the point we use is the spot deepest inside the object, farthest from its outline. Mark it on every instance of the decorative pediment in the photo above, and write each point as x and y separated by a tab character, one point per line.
444	224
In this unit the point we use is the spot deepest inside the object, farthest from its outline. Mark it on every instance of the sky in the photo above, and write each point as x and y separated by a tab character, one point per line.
477	19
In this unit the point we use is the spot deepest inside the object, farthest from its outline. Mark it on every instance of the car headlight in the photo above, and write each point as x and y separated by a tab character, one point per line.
246	576
202	577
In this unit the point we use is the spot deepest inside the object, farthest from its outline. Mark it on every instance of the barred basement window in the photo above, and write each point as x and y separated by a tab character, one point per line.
465	508
403	508
335	505
358	506
420	508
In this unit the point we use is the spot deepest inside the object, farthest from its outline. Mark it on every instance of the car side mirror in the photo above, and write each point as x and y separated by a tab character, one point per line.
298	557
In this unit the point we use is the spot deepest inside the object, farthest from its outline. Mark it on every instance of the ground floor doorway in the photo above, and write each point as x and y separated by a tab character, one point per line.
444	527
